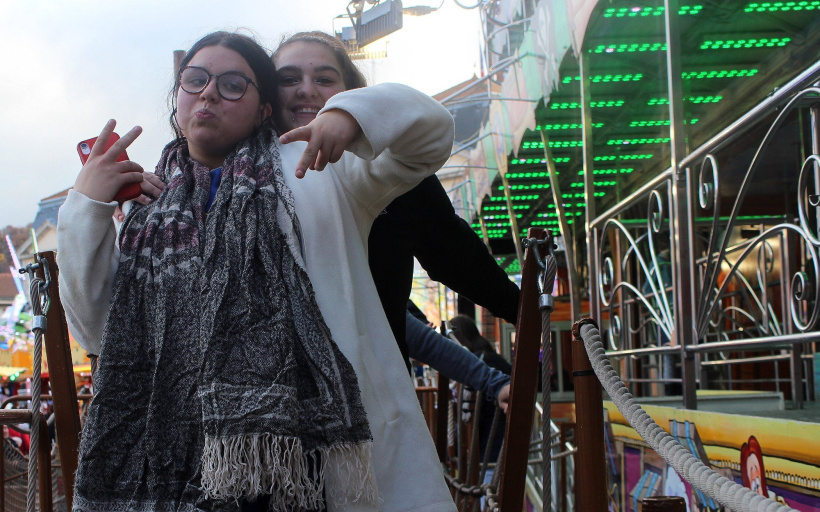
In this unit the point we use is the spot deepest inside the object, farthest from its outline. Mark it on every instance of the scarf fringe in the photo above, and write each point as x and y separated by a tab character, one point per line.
349	476
248	466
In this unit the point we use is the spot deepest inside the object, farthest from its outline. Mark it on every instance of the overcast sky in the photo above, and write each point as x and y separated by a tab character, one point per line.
70	65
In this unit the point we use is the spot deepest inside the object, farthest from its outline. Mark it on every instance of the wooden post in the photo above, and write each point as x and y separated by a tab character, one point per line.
44	467
662	504
61	377
590	464
442	410
513	465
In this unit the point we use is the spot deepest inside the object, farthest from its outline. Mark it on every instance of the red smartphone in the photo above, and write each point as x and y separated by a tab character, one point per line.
129	191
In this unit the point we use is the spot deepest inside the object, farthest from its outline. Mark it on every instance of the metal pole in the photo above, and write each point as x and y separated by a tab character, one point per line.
589	188
516	236
684	333
566	231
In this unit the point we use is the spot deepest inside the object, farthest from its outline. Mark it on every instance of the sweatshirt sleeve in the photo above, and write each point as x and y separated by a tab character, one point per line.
406	136
451	359
87	258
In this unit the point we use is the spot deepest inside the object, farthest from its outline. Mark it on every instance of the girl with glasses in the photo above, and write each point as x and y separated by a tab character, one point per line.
235	321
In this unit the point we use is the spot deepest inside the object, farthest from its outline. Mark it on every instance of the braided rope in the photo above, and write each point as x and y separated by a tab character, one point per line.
39	303
718	487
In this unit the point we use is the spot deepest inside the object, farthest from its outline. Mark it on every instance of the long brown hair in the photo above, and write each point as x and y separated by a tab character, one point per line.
466	332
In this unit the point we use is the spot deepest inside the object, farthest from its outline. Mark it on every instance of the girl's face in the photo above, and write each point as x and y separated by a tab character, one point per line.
212	124
309	75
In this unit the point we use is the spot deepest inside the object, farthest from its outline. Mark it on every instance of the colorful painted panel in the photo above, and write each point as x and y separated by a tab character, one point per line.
774	457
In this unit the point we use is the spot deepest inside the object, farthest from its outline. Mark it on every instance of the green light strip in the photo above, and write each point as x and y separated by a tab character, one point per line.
501	217
782	6
527	161
518	175
609	158
598	79
763	42
609	171
565	126
504	208
722	73
516	198
625	142
597	184
634	12
534	186
629	48
642	124
568	105
558	144
693	99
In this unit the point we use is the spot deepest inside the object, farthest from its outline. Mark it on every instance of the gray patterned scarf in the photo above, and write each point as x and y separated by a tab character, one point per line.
218	378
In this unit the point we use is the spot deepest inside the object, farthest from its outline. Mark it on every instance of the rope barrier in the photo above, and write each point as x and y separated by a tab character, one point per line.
546	304
40	302
720	488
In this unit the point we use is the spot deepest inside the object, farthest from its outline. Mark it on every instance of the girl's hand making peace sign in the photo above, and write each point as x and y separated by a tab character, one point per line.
101	177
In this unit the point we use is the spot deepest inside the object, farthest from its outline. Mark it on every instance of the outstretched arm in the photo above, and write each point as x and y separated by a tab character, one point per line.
453	360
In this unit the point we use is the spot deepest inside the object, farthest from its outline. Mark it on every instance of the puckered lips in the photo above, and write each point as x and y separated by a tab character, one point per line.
204	114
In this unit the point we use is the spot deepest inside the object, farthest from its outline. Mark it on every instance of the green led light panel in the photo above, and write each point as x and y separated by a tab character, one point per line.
693	99
519	175
609	171
526	161
642	124
624	142
609	158
567	105
722	73
783	6
565	126
504	208
727	44
603	79
559	144
629	48
597	184
535	186
637	11
505	218
516	198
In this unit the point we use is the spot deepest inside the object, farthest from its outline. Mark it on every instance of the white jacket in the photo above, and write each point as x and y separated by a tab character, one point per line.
406	137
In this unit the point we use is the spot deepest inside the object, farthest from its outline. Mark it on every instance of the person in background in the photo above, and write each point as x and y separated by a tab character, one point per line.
235	319
422	223
466	332
450	359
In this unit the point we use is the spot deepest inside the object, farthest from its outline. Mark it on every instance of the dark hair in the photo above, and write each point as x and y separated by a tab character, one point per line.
466	332
353	78
257	58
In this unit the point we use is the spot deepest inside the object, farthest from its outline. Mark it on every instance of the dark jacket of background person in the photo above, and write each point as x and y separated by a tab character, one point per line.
424	224
465	332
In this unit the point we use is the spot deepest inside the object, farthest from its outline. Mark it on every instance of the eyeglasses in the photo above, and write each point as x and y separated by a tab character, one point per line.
231	85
